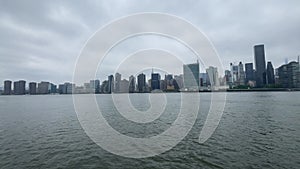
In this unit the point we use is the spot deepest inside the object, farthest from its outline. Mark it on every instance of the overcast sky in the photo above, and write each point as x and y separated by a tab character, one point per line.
41	40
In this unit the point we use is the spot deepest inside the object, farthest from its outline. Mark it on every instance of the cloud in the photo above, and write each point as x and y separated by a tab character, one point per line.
40	40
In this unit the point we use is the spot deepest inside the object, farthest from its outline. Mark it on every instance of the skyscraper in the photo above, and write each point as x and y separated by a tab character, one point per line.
141	80
241	74
213	76
19	87
270	74
131	84
155	81
117	82
289	75
249	72
260	65
110	84
191	76
7	87
32	88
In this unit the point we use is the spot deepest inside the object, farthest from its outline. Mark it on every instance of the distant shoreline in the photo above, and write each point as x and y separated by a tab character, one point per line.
203	91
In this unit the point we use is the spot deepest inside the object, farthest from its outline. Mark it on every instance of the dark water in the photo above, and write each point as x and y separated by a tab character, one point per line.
257	130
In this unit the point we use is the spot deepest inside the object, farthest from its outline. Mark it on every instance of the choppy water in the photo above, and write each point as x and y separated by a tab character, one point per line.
257	130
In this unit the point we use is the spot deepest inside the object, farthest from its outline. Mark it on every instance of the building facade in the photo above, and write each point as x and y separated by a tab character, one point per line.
260	65
7	87
19	87
32	88
191	78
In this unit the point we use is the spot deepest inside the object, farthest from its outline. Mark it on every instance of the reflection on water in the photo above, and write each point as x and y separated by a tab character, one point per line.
257	130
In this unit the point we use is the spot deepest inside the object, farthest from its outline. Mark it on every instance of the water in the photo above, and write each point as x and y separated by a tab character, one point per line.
257	130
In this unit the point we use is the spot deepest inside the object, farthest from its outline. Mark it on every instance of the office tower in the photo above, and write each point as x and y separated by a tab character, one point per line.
203	79
131	84
92	87
53	88
260	65
141	80
213	76
163	85
19	87
69	87
104	87
124	86
7	87
191	76
110	84
179	81
289	75
62	89
241	74
155	81
234	70
43	87
32	88
249	72
270	74
117	82
227	77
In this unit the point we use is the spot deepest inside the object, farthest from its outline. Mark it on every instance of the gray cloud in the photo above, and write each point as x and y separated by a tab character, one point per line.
40	40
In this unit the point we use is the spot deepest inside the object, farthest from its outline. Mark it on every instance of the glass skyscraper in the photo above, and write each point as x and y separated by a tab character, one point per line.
260	65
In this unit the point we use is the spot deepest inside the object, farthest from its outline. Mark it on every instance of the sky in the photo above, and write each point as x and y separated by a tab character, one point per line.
41	40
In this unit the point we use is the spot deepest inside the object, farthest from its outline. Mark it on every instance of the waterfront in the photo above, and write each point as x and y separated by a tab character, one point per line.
257	130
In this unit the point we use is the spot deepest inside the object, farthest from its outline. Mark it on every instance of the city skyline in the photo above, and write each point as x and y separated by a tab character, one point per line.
263	75
44	43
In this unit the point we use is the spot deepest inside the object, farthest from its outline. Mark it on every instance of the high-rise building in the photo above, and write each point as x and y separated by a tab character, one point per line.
110	83
92	87
131	84
43	87
117	82
249	72
32	88
155	81
141	83
270	74
7	87
124	86
234	70
104	87
289	75
204	80
52	88
19	87
241	74
179	81
213	76
260	65
191	76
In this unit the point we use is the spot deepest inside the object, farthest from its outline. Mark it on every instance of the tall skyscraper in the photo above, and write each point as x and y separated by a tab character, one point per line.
7	87
155	81
270	74
19	87
213	76
249	72
32	88
191	76
110	84
241	74
131	84
141	80
260	65
117	82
